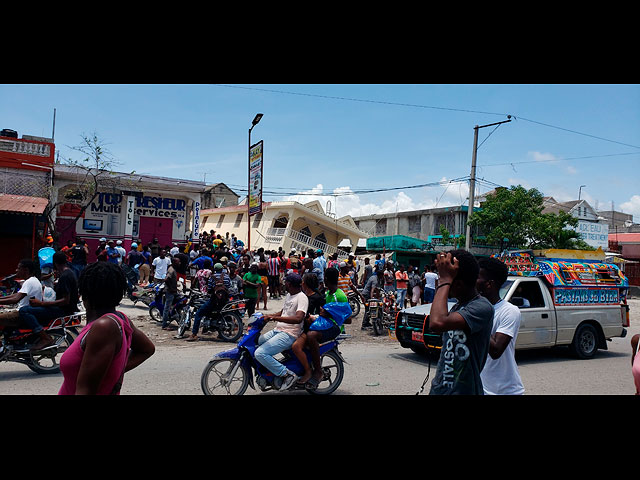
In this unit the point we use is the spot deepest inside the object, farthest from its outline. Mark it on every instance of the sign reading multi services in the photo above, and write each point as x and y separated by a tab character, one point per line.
145	206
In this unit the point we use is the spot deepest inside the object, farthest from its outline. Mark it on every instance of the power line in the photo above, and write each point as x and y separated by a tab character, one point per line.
380	102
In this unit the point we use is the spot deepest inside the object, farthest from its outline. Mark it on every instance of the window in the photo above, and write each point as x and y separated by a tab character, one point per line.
220	220
528	295
414	224
238	220
381	226
281	222
257	219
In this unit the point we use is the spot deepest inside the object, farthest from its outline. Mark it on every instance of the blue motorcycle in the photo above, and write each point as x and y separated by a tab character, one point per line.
231	372
178	307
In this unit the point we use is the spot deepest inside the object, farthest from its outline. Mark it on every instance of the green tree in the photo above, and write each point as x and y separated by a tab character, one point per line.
512	218
508	216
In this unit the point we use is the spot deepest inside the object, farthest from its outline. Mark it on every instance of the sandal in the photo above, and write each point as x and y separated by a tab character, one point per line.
312	383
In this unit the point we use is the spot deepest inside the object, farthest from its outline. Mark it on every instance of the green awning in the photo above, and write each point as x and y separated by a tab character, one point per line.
399	243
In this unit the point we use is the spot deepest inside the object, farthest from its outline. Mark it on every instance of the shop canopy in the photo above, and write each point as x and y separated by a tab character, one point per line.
22	204
399	243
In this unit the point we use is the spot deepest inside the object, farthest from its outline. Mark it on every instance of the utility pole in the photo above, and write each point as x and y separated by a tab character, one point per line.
472	178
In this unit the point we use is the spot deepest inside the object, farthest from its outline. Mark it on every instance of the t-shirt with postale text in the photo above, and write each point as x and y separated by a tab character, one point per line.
464	352
501	376
293	304
249	290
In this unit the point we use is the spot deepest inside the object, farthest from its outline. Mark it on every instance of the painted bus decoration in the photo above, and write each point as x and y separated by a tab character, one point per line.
573	282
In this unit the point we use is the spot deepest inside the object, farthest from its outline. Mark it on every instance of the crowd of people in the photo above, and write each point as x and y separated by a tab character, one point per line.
478	333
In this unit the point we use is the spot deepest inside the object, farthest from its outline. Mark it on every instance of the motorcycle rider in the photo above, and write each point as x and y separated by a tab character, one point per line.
31	287
286	331
66	302
218	300
375	283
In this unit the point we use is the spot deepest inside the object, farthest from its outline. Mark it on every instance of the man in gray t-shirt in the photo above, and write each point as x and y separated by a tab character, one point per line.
466	329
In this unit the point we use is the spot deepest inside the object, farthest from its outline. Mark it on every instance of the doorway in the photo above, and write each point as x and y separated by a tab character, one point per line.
152	227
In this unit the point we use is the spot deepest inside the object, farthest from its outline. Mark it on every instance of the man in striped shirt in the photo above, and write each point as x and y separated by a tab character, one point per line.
273	265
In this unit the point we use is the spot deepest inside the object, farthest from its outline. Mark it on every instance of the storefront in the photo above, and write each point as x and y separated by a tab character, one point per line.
139	208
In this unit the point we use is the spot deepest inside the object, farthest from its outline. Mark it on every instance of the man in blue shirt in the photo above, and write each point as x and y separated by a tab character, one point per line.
321	264
112	252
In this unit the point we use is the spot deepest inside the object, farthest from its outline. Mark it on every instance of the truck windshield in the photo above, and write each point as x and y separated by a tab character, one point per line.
505	288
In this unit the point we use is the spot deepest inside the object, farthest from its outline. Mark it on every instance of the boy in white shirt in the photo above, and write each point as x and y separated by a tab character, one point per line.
500	374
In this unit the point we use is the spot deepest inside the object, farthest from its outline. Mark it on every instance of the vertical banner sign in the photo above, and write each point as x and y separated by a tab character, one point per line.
255	178
128	227
195	237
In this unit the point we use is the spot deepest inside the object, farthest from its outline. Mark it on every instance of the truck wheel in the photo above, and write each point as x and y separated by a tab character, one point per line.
585	342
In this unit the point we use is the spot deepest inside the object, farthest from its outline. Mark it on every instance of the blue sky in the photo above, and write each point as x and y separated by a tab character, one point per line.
340	138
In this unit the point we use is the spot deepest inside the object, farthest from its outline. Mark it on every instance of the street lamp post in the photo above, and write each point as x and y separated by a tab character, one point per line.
255	121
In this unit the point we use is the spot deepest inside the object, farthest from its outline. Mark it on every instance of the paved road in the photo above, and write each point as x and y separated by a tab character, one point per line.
379	368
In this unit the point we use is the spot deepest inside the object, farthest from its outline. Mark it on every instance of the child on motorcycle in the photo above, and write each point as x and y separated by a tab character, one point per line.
313	338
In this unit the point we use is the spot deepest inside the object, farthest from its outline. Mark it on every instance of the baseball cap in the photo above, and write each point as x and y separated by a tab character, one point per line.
134	245
103	239
217	266
119	242
294	279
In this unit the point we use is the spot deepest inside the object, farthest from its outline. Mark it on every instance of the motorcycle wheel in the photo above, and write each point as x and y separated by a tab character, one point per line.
355	306
185	322
333	370
215	378
231	327
155	314
377	326
47	361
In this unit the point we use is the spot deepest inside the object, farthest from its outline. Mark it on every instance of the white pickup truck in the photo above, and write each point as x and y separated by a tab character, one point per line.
582	316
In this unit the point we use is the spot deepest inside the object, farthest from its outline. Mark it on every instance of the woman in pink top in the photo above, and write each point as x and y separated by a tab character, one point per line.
109	345
635	362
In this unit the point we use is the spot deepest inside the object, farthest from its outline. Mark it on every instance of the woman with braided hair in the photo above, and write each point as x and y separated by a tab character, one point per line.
110	344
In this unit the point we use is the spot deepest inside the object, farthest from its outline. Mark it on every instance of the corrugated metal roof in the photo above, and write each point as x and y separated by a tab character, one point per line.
22	204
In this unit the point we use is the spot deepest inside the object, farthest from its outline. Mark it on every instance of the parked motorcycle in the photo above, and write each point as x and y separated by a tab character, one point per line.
144	294
354	301
178	306
233	371
17	342
228	321
382	312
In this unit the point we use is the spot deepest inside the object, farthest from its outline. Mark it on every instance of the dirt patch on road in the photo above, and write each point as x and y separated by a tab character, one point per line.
168	337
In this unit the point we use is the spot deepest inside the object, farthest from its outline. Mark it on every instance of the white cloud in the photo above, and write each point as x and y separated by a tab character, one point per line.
632	206
542	157
348	203
571	170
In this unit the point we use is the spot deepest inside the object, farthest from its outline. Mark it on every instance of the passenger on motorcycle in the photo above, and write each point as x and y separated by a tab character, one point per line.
219	298
66	303
286	331
313	338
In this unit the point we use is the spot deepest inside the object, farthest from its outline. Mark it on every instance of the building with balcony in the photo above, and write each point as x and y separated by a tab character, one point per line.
26	166
284	224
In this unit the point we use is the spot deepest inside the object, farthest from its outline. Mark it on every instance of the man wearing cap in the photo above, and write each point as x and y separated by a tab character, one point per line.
113	255
102	246
121	251
286	331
